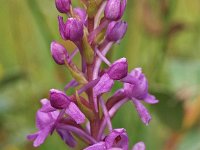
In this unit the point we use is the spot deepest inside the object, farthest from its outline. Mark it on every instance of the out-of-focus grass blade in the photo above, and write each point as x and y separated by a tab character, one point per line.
169	109
40	20
190	141
11	78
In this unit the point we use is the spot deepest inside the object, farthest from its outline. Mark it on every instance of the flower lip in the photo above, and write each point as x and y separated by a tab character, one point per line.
67	137
45	122
142	111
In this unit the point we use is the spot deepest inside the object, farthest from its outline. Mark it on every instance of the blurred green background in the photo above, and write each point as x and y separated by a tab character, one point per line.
163	37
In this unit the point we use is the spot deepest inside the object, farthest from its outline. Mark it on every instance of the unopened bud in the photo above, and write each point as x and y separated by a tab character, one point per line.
59	53
119	69
74	29
116	30
71	30
63	6
115	9
58	99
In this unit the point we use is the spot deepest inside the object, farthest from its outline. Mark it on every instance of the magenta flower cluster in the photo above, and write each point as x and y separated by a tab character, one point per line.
86	114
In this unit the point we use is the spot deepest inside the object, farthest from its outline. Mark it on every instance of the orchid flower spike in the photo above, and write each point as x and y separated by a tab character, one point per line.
87	112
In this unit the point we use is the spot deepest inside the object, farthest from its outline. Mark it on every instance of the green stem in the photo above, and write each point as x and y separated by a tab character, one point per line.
94	124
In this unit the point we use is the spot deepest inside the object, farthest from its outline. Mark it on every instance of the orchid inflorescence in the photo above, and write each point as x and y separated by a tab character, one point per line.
94	29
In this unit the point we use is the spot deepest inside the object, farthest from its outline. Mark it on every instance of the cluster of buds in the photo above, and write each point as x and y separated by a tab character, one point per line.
86	113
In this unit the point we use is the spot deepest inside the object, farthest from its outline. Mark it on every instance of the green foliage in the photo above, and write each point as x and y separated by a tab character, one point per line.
169	110
190	141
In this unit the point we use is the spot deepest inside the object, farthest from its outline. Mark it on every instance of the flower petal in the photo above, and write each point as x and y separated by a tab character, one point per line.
129	79
117	138
139	146
46	106
139	90
142	111
39	137
97	146
104	85
81	13
43	119
67	137
73	111
150	99
32	137
61	27
42	136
